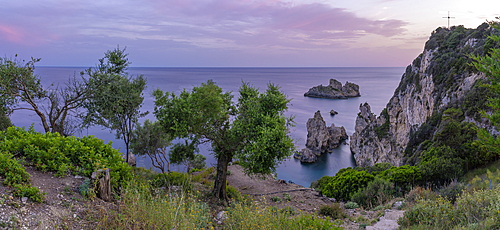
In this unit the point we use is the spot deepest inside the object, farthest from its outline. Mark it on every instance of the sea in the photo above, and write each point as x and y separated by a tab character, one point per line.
377	86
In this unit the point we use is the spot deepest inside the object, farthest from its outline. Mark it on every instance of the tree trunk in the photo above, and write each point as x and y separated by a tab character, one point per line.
220	181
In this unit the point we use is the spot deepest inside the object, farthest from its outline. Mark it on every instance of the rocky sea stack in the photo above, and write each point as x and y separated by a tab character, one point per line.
320	139
334	90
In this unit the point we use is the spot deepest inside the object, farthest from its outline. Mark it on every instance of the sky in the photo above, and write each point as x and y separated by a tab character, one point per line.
231	33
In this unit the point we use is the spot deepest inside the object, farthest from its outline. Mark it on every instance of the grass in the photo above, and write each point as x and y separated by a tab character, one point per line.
142	206
481	171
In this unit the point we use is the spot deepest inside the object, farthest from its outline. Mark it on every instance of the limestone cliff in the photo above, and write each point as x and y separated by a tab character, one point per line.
439	78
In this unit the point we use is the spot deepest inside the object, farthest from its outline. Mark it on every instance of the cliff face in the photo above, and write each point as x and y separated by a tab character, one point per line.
439	78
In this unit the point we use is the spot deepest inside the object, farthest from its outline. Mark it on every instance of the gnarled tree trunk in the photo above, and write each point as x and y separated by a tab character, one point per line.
220	180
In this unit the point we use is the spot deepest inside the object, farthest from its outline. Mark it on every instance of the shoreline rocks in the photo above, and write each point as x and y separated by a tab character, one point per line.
320	139
334	90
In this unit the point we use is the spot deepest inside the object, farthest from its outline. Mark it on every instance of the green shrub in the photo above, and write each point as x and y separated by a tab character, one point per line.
452	190
286	197
351	205
346	182
52	152
478	210
377	192
34	193
378	168
332	210
16	176
276	199
12	171
403	176
320	184
86	188
233	193
4	121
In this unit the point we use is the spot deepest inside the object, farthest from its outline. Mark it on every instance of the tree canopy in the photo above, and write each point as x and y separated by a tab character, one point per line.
116	98
20	86
490	66
254	130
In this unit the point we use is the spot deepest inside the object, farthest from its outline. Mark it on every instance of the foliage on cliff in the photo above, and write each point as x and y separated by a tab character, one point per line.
445	146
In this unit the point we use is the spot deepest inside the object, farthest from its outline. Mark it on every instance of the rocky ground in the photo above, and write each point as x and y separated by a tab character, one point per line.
65	208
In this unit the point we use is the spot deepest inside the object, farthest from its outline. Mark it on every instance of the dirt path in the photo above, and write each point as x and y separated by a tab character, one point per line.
301	198
388	221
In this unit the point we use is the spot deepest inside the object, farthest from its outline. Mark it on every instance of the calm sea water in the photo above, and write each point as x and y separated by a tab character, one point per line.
376	86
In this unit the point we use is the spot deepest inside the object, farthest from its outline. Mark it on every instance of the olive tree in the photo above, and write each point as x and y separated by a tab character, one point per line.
116	97
149	139
20	89
254	130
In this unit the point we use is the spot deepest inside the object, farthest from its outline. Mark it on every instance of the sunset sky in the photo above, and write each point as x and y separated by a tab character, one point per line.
231	33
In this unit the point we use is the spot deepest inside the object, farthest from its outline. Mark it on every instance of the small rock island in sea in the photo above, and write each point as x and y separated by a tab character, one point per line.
320	139
334	90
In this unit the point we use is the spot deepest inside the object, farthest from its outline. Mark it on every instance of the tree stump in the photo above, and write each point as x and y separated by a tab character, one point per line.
103	179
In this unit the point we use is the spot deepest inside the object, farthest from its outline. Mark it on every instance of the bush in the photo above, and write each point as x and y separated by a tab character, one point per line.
16	176
420	193
441	164
471	211
452	190
12	171
85	188
378	168
52	152
4	121
286	197
332	210
34	193
346	182
276	199
247	217
320	184
233	193
377	192
403	176
351	205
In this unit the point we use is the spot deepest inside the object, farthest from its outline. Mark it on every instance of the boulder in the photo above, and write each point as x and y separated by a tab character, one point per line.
131	159
334	90
306	156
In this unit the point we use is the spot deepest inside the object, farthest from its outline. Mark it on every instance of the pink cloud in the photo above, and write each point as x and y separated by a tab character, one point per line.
20	36
11	34
277	15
